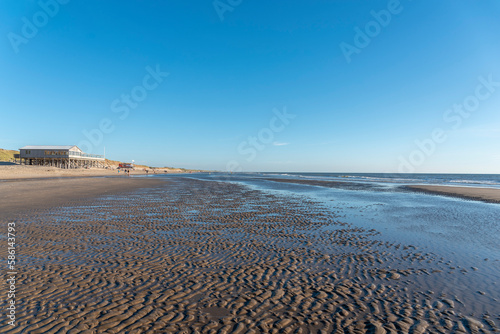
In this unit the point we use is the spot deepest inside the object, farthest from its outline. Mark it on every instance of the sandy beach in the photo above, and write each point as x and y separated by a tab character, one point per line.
239	167
480	194
20	195
11	172
181	255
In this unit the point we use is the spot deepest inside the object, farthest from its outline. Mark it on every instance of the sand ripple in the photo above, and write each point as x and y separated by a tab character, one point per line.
210	257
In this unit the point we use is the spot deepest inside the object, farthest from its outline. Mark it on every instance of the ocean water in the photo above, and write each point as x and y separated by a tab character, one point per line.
475	180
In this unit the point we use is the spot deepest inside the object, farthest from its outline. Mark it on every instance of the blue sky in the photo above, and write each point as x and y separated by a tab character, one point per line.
233	66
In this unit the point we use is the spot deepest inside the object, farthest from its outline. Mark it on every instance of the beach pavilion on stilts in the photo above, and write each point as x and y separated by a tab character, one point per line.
63	156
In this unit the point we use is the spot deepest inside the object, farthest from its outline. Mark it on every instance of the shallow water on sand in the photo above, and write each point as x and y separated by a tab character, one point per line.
471	227
250	255
465	233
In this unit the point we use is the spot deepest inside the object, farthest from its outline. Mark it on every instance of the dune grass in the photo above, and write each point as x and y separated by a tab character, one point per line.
7	155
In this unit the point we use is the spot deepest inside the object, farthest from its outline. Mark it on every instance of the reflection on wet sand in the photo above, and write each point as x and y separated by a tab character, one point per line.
214	257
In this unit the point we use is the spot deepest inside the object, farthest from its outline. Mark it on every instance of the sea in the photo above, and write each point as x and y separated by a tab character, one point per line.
474	180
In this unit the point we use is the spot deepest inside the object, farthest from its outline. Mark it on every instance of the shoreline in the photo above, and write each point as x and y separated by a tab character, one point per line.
323	183
488	195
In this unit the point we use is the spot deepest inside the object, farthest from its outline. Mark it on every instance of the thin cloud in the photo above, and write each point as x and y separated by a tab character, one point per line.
280	144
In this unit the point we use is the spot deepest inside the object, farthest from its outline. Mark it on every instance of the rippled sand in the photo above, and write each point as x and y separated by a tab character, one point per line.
192	256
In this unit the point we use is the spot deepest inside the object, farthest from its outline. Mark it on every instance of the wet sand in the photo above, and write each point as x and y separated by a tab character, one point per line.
20	195
330	184
480	194
489	195
191	256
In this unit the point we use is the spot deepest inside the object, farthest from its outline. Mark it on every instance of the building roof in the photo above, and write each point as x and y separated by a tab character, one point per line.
49	147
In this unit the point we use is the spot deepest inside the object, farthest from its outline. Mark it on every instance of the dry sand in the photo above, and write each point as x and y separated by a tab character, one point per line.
9	172
191	256
481	194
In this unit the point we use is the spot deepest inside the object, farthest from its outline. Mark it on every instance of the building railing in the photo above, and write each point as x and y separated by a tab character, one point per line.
85	155
57	154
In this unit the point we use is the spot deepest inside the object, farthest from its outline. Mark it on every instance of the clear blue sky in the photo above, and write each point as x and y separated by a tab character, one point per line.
360	110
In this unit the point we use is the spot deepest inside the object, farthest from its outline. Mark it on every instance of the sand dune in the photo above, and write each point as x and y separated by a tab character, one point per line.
190	256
